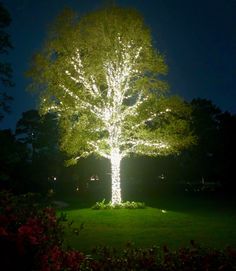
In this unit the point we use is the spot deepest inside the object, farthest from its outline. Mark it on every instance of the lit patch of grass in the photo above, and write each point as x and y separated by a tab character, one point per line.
150	226
173	221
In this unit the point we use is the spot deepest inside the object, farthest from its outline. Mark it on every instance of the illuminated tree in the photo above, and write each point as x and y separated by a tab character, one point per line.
101	75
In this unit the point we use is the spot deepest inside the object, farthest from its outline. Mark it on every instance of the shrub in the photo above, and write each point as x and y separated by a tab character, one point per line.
162	259
102	205
31	236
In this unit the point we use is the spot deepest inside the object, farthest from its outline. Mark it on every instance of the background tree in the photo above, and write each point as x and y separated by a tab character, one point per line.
27	130
5	68
200	162
101	75
227	149
13	163
40	136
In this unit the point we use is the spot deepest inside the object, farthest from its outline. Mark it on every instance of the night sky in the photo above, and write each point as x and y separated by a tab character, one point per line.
198	39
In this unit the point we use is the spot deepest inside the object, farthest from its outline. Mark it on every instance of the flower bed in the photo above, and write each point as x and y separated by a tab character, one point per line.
31	238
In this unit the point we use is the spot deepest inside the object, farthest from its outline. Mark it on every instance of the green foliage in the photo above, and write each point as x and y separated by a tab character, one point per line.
101	75
102	205
100	37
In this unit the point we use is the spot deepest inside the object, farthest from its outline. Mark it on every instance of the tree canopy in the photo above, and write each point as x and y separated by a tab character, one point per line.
103	77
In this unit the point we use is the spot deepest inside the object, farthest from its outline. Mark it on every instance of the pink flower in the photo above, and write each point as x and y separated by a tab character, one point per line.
25	230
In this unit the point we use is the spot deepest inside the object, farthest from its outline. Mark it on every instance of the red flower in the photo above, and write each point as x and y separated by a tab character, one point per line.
32	231
55	254
34	240
3	232
52	260
25	230
73	259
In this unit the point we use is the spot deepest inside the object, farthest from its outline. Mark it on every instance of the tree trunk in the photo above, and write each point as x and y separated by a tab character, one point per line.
115	177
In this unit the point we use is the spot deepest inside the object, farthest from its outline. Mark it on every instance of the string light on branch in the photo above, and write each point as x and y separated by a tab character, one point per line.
104	87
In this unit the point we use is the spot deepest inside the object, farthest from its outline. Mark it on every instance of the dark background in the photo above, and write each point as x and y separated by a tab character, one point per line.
197	37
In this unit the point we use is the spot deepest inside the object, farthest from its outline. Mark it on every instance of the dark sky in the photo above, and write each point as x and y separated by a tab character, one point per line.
197	37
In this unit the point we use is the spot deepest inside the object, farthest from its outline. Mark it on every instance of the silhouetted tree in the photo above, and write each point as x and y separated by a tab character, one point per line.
27	130
199	162
40	136
206	126
227	151
13	162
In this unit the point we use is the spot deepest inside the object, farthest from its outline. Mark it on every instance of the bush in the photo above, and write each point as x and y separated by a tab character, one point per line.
102	205
31	236
163	259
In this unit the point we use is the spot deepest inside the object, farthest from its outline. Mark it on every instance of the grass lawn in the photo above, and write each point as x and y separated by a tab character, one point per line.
207	221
